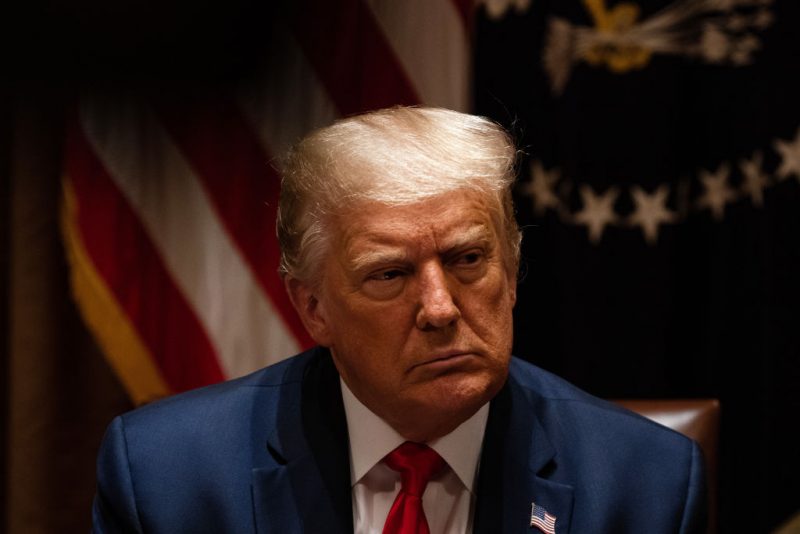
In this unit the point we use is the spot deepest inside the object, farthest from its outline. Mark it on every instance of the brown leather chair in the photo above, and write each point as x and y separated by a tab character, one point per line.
696	418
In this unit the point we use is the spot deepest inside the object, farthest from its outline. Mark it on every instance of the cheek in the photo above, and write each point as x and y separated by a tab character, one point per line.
493	302
491	318
384	324
368	340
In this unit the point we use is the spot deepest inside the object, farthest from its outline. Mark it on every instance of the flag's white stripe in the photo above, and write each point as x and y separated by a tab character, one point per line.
288	99
430	41
243	326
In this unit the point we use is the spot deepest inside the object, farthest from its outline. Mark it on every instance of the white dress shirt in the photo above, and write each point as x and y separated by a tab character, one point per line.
449	499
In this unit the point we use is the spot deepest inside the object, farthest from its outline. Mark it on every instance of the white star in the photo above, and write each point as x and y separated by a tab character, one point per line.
597	212
541	188
651	211
717	191
754	178
790	157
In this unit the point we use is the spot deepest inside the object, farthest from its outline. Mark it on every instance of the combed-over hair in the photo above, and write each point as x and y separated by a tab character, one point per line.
395	156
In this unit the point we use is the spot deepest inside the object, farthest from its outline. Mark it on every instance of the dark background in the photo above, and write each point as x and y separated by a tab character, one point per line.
709	310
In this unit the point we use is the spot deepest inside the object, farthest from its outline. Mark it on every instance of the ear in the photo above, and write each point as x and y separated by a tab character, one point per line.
310	310
513	276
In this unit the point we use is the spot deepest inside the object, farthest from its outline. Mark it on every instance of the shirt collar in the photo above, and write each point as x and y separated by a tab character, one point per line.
371	438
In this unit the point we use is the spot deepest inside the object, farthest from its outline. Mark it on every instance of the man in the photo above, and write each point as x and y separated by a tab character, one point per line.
400	253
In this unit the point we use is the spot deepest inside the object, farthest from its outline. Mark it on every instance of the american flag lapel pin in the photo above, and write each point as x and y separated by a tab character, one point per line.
542	520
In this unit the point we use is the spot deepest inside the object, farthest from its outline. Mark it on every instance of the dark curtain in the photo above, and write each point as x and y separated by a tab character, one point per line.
710	305
58	392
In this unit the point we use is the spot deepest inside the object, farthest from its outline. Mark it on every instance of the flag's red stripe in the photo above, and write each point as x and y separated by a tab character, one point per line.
350	54
131	266
235	170
464	8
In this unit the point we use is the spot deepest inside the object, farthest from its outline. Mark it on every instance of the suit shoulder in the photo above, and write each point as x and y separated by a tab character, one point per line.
613	458
578	408
218	402
546	386
166	461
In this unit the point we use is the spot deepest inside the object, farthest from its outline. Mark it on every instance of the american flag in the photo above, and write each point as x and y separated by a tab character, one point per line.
542	520
169	197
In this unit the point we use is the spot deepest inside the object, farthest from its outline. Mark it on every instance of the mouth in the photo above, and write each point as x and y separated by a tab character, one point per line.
446	362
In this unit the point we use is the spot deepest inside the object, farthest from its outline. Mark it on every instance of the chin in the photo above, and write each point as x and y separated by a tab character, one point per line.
437	407
456	399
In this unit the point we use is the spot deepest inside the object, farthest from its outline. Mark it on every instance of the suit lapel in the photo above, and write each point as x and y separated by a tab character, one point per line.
274	506
307	486
304	484
516	463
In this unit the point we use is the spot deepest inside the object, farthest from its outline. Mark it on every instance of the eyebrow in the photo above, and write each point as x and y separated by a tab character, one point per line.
377	257
476	234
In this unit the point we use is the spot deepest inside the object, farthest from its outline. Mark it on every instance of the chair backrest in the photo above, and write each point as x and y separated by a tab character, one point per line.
696	418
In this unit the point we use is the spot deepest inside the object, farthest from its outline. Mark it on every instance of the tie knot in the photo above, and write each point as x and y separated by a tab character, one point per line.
417	464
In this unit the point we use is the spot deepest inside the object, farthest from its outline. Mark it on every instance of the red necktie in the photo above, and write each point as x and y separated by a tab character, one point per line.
417	464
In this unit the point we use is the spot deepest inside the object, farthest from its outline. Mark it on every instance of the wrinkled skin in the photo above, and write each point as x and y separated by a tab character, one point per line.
415	305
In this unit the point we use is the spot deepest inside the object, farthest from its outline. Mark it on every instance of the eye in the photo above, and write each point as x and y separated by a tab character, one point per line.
384	284
387	275
470	258
470	265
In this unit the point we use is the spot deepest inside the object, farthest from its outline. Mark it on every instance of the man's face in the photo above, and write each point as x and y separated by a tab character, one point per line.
415	304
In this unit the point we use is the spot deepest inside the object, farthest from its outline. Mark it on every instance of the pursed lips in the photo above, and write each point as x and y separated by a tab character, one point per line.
445	357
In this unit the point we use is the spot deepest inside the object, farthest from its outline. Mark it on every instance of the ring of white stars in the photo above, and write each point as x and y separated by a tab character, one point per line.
597	212
541	188
790	157
651	211
755	180
717	192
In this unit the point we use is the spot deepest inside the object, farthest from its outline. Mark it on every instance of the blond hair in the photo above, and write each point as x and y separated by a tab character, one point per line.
394	156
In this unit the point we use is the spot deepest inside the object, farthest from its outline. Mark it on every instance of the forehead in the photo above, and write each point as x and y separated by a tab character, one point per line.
442	221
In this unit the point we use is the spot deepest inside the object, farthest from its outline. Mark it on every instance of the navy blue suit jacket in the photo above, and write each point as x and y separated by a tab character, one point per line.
268	453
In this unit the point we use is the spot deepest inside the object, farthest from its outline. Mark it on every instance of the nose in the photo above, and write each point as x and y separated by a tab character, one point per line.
436	306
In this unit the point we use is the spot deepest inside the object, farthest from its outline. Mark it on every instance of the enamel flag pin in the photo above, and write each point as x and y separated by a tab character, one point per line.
542	520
